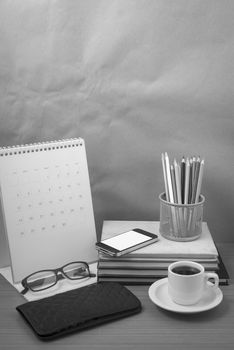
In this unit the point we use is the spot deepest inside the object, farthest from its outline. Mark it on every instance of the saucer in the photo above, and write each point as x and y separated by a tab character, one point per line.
158	293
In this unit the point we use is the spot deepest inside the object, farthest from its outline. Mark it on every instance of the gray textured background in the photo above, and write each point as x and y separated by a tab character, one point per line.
134	79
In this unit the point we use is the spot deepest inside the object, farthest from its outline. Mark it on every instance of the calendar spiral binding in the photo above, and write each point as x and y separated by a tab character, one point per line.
40	146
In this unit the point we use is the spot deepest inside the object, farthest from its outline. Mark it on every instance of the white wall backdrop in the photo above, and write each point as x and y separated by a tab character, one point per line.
134	78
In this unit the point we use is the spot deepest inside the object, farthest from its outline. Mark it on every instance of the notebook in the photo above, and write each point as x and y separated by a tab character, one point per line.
47	205
203	247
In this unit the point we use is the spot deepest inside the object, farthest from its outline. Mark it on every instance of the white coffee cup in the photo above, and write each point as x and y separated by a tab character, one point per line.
187	282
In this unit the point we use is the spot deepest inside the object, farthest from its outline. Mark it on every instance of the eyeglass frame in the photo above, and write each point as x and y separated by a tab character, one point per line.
58	277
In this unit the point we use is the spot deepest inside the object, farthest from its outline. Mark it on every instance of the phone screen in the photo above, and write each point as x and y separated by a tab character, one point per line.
126	240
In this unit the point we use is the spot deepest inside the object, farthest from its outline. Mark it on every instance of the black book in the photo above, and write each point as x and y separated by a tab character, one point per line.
222	272
135	279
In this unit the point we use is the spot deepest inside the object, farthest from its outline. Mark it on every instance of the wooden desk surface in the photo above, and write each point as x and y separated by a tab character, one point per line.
153	328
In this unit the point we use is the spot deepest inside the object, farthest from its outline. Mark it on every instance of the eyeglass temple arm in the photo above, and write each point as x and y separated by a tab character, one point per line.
24	291
24	285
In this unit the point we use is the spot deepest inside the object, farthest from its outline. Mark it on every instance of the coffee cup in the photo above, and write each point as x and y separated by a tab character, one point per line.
187	282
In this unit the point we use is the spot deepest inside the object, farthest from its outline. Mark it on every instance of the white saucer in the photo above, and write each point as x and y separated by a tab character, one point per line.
158	293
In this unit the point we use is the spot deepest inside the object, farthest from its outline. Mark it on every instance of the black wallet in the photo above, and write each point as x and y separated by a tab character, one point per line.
78	309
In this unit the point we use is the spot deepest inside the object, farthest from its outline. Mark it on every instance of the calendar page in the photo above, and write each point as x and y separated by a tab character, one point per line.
47	205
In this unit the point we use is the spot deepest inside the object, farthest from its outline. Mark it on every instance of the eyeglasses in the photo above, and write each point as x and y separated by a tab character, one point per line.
45	279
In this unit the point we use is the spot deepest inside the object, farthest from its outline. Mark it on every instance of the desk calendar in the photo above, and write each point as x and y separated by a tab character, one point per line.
47	205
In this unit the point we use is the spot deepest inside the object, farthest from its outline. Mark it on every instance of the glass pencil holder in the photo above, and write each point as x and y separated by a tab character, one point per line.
181	222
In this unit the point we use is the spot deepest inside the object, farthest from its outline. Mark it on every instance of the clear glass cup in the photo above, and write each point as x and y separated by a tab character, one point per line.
181	222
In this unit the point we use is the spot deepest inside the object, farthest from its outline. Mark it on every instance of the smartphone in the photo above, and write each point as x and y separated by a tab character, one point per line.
126	242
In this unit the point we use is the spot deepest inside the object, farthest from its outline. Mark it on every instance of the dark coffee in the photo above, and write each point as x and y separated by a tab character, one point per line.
185	270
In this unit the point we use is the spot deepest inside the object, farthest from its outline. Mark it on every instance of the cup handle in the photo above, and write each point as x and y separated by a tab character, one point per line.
213	275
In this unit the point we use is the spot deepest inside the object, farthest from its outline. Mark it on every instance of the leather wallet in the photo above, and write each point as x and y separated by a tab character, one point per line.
78	309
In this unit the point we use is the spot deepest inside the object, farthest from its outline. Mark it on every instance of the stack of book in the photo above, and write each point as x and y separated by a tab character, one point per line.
145	265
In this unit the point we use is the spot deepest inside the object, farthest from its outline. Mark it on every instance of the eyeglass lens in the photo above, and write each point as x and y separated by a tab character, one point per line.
45	279
76	270
41	280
